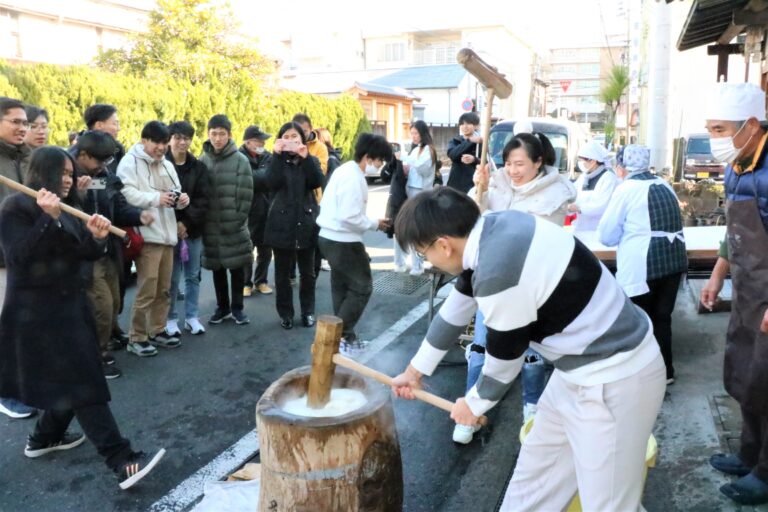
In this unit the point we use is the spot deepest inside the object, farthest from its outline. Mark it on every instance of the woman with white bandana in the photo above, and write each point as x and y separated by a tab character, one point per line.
594	187
643	219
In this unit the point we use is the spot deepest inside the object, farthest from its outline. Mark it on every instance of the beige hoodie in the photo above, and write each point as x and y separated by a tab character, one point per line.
144	180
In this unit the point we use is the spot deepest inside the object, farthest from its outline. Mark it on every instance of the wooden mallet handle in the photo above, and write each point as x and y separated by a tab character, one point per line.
64	207
479	191
424	396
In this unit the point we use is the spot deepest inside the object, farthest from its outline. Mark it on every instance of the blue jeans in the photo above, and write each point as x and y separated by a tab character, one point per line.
476	359
534	375
191	278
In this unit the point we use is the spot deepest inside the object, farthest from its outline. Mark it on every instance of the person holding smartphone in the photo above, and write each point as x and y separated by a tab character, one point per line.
291	177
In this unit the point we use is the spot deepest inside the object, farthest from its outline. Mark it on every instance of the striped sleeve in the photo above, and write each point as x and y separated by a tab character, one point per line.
451	320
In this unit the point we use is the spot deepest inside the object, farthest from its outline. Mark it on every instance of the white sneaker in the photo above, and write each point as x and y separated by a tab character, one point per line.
529	411
462	434
194	326
172	328
324	265
417	271
401	269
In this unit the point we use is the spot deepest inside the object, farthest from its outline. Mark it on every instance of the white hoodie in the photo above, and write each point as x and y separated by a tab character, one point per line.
546	196
144	181
342	211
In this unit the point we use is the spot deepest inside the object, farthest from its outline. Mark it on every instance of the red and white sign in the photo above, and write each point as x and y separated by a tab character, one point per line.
565	84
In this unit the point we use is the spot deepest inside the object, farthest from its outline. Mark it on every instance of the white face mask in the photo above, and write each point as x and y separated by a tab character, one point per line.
371	169
723	149
259	150
583	166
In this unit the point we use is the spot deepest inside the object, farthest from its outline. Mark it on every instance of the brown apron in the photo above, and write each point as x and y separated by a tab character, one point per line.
746	351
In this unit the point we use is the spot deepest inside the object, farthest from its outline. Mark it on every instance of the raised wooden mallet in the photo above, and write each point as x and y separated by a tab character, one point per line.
325	357
64	207
496	85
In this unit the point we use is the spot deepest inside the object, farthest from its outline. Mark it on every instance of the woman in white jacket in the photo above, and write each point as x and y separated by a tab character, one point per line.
530	183
419	169
644	220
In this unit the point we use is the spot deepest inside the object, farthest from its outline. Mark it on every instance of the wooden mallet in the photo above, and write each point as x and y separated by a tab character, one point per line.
495	85
64	207
325	357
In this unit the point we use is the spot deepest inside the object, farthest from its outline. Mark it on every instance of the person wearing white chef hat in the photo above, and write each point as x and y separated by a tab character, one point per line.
594	187
738	136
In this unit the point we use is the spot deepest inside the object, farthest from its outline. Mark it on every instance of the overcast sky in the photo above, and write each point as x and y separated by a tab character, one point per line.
544	23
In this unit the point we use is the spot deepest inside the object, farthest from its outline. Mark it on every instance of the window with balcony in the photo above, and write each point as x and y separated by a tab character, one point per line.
435	54
392	52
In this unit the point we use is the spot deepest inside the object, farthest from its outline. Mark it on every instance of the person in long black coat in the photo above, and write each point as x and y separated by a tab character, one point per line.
394	174
291	177
49	349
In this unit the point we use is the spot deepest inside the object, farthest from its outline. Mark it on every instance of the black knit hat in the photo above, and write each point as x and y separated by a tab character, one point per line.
254	132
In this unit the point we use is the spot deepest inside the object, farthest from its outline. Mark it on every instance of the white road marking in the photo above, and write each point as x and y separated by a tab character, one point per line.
190	490
376	189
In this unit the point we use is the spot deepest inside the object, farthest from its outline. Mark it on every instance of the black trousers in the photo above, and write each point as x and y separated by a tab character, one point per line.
351	281
222	289
754	443
98	425
284	263
263	259
659	303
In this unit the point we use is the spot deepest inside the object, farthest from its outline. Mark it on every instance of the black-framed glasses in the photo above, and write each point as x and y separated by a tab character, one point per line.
18	123
422	255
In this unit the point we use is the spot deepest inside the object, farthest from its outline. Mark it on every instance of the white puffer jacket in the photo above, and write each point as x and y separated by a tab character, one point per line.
546	196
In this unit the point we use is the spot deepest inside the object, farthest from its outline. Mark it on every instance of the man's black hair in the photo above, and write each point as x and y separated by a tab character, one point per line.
441	211
470	118
181	128
156	131
372	146
301	119
7	104
98	112
220	121
99	145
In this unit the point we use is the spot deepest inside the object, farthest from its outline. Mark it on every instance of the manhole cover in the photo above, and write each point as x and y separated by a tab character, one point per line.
391	283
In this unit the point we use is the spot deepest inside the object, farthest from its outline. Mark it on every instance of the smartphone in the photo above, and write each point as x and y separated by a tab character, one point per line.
290	146
98	184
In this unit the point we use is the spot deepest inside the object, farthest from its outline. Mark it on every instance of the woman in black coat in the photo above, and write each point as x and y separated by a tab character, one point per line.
291	177
49	350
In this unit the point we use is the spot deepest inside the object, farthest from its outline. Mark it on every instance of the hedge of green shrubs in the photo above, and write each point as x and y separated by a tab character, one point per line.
66	91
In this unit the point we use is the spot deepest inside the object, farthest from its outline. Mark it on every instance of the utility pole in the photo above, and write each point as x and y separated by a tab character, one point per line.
659	85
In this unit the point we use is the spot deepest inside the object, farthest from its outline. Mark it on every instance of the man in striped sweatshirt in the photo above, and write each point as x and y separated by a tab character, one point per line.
537	285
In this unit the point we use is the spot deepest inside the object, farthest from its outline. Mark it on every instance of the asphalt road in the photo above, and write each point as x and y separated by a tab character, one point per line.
198	400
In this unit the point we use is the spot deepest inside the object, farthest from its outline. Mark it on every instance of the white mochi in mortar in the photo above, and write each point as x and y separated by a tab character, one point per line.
342	401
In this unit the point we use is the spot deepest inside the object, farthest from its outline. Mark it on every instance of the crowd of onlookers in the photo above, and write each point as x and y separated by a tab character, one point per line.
181	213
298	205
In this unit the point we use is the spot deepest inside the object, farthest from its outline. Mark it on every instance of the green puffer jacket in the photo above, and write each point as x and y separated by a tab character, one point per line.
226	240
